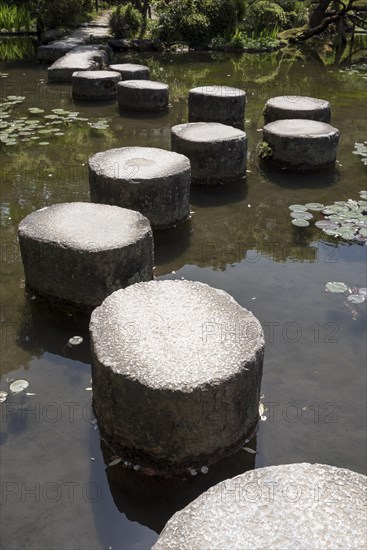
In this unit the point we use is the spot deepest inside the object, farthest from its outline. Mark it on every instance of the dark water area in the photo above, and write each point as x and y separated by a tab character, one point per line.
56	490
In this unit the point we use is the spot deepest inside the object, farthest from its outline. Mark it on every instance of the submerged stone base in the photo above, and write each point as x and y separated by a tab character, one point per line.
176	369
311	506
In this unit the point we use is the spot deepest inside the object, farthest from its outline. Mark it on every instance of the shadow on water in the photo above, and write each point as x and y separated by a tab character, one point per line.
46	329
303	180
152	501
216	195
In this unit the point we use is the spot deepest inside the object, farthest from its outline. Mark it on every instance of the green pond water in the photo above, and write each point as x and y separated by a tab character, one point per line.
56	491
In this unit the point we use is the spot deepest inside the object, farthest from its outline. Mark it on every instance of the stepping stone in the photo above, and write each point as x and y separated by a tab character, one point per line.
299	145
130	71
78	253
288	107
95	85
82	58
217	104
56	49
176	370
311	506
143	95
153	181
217	152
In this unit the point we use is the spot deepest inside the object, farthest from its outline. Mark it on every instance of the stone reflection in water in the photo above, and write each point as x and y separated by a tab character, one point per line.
151	501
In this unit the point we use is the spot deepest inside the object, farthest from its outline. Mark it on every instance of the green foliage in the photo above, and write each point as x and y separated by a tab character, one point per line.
14	18
265	15
196	22
125	21
264	150
63	13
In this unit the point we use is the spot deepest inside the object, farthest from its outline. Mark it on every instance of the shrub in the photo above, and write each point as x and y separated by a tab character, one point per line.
266	15
125	21
63	13
198	21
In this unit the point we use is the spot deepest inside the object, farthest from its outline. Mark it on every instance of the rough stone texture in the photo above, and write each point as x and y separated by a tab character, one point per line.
286	107
53	51
82	58
301	144
217	152
143	95
95	85
295	506
217	104
78	253
176	368
131	71
153	181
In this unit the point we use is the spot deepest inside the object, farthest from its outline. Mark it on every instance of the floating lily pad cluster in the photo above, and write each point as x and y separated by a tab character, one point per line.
355	295
343	219
361	150
37	126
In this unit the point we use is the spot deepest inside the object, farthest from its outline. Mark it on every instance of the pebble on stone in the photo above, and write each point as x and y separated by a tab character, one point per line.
143	95
153	181
311	506
217	104
176	370
300	145
95	85
78	253
131	71
217	152
288	107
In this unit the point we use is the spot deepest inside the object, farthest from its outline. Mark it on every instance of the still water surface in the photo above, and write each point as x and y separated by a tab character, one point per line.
57	492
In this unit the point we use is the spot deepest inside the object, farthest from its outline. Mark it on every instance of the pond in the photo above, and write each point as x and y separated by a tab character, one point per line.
57	492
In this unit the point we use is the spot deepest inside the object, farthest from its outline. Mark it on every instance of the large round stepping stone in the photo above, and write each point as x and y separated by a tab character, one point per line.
143	95
284	107
153	181
217	152
130	71
79	253
296	144
311	506
176	368
217	104
95	85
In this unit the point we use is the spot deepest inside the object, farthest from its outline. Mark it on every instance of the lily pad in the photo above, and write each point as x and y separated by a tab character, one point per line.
326	224
302	215
18	386
356	299
336	287
297	208
317	206
75	341
363	292
300	222
3	396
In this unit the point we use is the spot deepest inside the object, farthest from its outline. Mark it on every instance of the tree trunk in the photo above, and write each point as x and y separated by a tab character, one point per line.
318	14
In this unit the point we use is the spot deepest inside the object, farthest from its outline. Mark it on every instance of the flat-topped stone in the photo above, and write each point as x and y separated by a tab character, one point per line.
78	253
296	107
217	152
51	52
311	506
153	181
296	144
131	71
195	362
95	85
217	104
82	58
143	95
